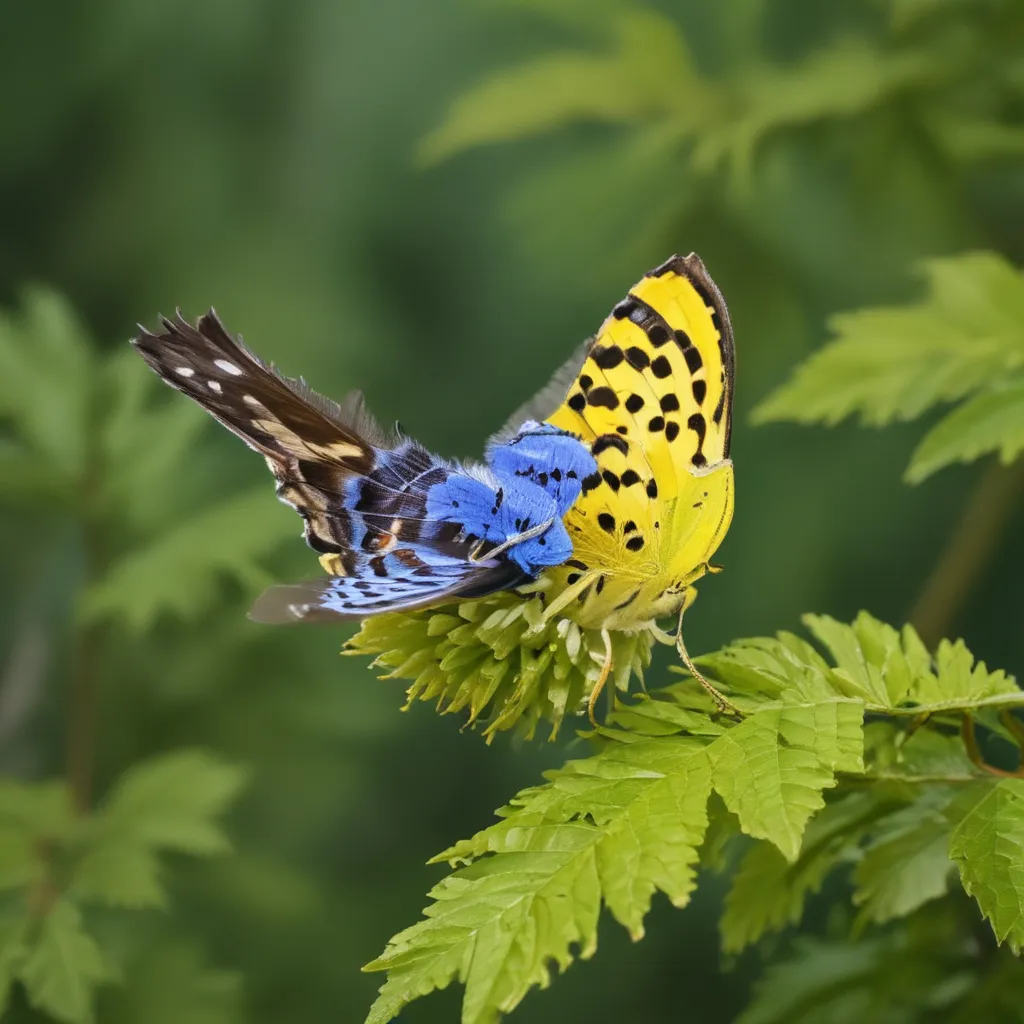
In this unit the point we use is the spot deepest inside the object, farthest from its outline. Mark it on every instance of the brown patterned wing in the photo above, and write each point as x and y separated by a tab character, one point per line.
311	444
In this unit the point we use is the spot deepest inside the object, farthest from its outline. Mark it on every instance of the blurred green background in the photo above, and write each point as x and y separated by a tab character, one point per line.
311	171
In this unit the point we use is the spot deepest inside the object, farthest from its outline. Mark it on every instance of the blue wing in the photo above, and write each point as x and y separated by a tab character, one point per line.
405	587
384	512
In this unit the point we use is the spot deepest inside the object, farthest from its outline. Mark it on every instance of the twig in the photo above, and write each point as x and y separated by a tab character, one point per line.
968	551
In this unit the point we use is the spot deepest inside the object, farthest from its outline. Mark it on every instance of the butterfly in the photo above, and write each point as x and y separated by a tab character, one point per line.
614	483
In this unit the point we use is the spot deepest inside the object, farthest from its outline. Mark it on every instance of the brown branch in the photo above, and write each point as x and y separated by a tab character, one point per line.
968	551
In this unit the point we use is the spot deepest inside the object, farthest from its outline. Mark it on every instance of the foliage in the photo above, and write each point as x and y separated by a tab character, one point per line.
939	77
87	440
612	829
57	862
813	154
964	342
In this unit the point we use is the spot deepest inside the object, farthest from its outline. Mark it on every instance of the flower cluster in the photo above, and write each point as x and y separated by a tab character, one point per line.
499	659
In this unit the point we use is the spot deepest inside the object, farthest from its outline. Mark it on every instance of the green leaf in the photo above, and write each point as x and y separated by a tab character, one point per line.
771	768
836	82
992	421
147	439
46	385
63	967
41	810
179	573
648	71
888	670
908	862
172	802
118	871
893	363
613	828
769	892
988	847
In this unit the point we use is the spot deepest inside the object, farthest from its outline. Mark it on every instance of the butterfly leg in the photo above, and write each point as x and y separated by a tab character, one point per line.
724	705
606	669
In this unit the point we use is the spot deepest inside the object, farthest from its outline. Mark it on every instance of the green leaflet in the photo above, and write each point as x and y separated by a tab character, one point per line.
610	829
62	966
962	341
988	848
615	828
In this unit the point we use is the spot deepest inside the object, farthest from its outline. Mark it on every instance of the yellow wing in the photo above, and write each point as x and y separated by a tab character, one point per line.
654	400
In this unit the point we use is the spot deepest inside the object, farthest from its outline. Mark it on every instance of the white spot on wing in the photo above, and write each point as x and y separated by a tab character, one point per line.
215	386
249	400
184	371
228	367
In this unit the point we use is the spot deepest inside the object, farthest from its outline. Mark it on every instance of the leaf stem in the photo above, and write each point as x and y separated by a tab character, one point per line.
970	738
969	549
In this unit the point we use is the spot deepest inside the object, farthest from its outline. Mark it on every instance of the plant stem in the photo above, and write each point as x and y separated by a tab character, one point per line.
81	739
969	549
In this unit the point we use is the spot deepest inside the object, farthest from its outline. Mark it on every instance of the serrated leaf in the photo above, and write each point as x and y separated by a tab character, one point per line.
988	848
833	82
905	868
63	966
769	892
545	870
771	768
497	925
172	803
146	438
46	375
992	421
121	872
648	71
179	573
872	662
893	363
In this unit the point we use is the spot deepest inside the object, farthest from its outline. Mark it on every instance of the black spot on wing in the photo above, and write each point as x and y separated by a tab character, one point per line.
662	368
607	357
603	396
606	441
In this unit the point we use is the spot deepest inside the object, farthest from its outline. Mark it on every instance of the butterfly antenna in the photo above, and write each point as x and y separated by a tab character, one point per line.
606	669
724	705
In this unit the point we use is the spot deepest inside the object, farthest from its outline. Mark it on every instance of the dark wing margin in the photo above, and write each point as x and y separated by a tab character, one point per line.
692	268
